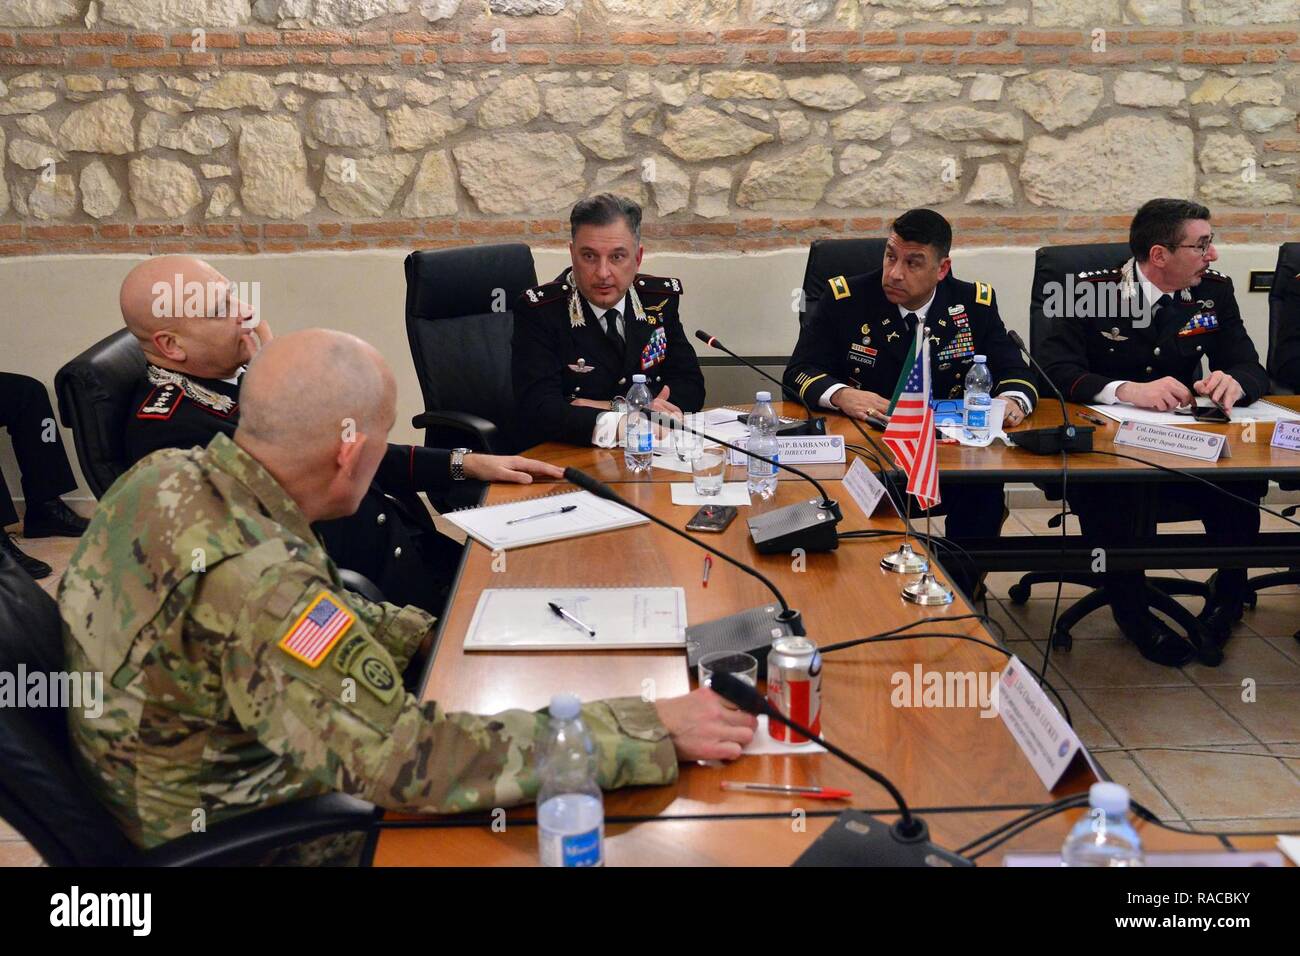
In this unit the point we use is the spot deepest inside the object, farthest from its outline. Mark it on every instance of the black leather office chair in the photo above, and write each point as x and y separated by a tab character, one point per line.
459	324
94	393
1054	264
828	258
44	798
1288	266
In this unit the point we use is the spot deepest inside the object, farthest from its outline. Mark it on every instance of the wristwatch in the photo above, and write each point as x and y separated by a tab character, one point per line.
458	463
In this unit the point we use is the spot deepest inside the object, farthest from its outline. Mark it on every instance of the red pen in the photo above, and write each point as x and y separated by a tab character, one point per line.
708	563
812	792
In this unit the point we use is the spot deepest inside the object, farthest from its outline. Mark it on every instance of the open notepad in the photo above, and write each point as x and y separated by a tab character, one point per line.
544	519
520	619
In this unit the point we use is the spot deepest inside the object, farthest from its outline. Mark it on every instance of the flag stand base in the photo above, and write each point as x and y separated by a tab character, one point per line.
904	561
926	590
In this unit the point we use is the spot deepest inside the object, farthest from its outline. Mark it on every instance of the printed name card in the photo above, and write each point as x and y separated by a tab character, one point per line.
803	450
1047	741
1286	435
1202	445
864	487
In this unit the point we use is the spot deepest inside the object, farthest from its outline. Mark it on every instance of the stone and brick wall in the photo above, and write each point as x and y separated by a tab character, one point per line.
226	126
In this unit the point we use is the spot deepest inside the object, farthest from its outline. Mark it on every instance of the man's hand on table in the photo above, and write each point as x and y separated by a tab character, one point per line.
1163	395
858	404
509	468
1221	387
703	727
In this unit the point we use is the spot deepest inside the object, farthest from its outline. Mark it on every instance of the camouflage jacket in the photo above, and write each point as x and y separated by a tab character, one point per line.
239	674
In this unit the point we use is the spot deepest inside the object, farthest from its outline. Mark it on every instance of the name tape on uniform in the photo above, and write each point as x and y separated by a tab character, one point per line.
1204	446
1286	435
803	450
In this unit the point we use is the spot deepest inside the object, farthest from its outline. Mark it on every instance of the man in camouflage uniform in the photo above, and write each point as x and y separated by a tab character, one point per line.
240	674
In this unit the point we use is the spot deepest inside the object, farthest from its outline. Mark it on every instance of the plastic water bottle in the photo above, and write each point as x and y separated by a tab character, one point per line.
638	450
762	441
977	399
570	810
1105	837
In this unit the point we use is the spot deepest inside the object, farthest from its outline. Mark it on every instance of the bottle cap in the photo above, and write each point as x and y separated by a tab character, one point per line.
981	359
568	706
763	397
638	379
1111	797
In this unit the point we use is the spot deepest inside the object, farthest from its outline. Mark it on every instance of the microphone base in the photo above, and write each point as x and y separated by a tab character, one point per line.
805	525
859	839
809	426
1053	441
749	632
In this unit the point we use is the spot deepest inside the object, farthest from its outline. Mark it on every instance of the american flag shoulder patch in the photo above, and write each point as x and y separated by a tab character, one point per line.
317	629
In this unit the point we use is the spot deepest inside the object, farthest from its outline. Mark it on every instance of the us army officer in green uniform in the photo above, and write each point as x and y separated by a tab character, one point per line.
240	674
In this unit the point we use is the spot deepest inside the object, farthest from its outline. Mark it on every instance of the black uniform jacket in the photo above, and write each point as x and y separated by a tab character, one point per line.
1103	337
390	539
556	359
855	336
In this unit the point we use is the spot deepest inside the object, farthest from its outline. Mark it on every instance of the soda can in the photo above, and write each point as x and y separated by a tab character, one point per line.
794	687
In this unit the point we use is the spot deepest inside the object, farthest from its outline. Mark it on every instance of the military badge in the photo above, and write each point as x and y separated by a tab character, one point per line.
581	367
1199	324
317	630
866	328
839	287
374	674
1113	335
983	293
655	349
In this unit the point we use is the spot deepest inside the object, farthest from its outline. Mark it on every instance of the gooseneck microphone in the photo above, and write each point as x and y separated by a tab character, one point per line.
811	425
1050	441
749	631
809	525
856	839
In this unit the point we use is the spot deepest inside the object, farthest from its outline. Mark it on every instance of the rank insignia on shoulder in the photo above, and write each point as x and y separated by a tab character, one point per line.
541	294
317	629
648	283
1215	274
839	287
983	293
161	403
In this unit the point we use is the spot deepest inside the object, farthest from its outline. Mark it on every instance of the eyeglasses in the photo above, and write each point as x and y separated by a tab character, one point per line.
1202	248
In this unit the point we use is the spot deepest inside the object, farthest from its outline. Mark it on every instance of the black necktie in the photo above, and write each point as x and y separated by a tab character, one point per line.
911	319
611	329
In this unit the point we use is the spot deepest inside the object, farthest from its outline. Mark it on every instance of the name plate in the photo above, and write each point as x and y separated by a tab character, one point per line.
1047	741
1286	435
1205	446
803	450
864	487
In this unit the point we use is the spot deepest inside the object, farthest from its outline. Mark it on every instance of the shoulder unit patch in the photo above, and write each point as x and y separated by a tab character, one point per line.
840	287
983	293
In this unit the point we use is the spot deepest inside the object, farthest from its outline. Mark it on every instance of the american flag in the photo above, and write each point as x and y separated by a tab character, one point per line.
910	433
316	631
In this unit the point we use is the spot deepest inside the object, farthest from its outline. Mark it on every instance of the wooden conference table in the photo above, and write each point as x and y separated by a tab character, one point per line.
966	770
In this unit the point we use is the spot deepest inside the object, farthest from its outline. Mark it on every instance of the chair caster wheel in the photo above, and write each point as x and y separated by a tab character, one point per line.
1063	639
1019	593
1210	654
1251	600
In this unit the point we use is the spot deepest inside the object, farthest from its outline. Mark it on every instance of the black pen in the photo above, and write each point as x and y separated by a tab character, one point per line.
561	612
545	514
1092	418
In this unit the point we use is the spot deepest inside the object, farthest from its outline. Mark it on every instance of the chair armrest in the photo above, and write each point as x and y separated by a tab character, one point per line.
489	438
358	582
264	830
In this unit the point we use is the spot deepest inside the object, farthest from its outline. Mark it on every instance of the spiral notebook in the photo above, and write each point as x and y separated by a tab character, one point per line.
517	524
520	619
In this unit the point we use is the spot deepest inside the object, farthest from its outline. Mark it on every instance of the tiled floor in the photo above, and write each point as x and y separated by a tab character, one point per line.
1204	748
